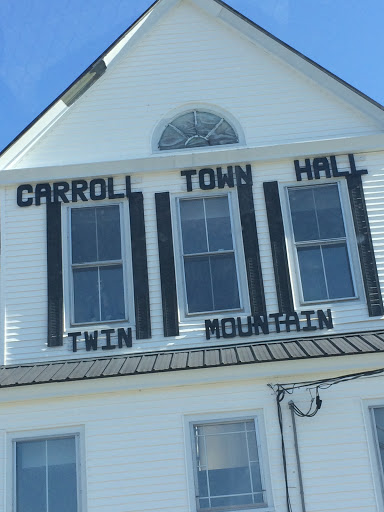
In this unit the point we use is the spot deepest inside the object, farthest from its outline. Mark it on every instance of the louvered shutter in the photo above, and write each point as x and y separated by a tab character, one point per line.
55	275
365	246
167	265
278	246
251	250
140	266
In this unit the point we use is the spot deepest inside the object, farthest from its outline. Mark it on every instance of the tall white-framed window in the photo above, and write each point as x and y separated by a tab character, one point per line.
46	473
228	466
99	278
209	254
377	416
321	243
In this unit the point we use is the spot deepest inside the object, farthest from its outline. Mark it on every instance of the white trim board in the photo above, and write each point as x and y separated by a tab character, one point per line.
190	159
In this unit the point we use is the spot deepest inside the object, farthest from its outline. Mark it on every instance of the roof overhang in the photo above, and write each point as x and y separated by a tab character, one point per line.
192	359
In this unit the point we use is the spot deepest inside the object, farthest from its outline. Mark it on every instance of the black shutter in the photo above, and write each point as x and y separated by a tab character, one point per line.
55	275
364	243
251	250
279	250
140	266
167	265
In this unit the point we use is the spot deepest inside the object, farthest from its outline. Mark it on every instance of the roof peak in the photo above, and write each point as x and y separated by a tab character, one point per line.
218	9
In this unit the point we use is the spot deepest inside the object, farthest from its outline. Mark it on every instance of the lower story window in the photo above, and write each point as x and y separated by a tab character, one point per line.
46	475
228	472
378	417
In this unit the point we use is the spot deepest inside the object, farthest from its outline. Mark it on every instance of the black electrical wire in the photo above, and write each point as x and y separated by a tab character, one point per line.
326	383
282	389
310	414
279	398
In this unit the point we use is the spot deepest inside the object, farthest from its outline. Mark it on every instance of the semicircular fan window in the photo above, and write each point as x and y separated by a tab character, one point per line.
197	129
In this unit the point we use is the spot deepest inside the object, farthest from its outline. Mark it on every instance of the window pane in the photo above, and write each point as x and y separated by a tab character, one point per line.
172	139
218	224
108	233
202	476
112	293
252	447
193	226
337	271
86	295
220	428
256	477
224	280
204	503
379	420
31	482
303	214
232	501
223	134
205	122
186	124
312	273
62	477
329	212
83	225
224	450
198	283
228	469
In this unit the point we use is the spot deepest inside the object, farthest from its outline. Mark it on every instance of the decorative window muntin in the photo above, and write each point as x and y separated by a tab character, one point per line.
321	243
46	474
98	274
209	258
227	466
197	129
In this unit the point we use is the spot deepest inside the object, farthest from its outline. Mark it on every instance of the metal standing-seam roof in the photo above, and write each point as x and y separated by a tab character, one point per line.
188	359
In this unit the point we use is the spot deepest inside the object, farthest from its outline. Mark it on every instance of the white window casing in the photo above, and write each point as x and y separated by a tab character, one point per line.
227	463
74	265
45	469
373	412
341	239
377	418
232	250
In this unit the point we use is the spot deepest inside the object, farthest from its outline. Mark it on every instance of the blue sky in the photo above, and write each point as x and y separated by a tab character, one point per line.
46	44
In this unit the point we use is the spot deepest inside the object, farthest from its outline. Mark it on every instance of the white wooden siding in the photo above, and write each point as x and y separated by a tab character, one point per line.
192	59
188	59
135	441
25	282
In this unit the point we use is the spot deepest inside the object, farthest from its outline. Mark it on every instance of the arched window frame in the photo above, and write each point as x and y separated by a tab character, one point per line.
175	114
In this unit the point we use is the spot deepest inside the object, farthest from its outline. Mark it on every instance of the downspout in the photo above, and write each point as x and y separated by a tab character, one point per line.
291	405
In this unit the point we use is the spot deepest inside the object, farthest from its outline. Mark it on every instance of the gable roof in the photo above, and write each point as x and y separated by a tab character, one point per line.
227	15
182	359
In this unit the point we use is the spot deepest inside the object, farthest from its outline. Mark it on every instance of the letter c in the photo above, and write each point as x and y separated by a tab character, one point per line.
20	200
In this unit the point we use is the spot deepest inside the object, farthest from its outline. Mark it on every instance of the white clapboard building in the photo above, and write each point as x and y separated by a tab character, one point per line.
192	269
